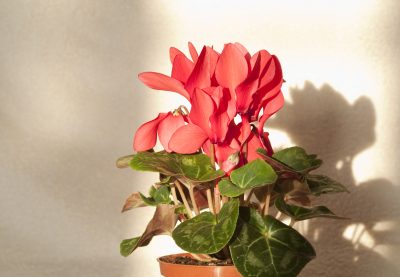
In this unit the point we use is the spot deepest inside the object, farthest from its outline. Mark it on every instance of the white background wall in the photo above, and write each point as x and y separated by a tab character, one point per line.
70	103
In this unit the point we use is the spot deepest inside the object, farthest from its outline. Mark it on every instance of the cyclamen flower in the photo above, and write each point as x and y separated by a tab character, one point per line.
219	87
165	124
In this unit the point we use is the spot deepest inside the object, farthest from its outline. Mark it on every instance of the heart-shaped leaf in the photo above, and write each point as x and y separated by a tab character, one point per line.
227	188
133	201
198	167
265	246
299	213
195	167
297	158
320	184
254	174
162	223
208	233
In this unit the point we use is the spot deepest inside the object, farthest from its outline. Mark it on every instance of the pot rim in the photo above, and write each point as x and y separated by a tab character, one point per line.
188	265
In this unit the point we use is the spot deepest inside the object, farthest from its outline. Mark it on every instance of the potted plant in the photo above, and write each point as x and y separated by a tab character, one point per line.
223	193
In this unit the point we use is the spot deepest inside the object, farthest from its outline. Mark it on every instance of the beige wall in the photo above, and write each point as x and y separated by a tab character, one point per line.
70	102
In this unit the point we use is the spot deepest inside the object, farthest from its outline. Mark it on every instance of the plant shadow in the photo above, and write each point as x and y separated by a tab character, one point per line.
322	121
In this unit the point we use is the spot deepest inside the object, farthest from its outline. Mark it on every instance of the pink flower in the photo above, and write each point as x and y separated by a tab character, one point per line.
165	124
219	87
208	120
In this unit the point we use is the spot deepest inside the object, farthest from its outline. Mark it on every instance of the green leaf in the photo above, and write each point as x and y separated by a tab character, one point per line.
180	209
227	188
161	195
208	233
198	167
254	174
320	184
161	162
162	223
157	196
295	192
149	201
265	246
128	245
298	159
165	180
301	213
133	201
124	161
194	167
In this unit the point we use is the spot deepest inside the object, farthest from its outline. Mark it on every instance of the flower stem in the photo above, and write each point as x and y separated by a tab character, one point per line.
174	197
185	202
202	257
266	203
245	150
217	199
210	201
212	155
192	198
249	197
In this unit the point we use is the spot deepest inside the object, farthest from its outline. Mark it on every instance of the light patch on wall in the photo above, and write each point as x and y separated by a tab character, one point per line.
364	169
279	139
359	235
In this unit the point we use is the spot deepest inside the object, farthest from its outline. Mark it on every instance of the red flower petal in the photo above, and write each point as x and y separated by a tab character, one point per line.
219	118
216	94
264	58
167	127
253	144
270	71
206	147
227	156
200	76
232	68
182	67
146	134
267	144
244	94
246	90
193	52
219	125
268	91
160	81
214	56
173	52
245	129
271	107
244	51
202	108
187	139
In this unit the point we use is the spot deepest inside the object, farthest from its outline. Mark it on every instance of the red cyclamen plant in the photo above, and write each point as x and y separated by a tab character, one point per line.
219	168
219	88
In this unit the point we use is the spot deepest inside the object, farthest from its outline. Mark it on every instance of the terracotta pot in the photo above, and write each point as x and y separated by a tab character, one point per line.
181	270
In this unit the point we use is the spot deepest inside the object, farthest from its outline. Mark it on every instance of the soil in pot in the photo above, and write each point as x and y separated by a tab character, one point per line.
183	265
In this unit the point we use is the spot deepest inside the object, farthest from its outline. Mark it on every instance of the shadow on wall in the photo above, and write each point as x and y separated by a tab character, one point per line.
323	122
